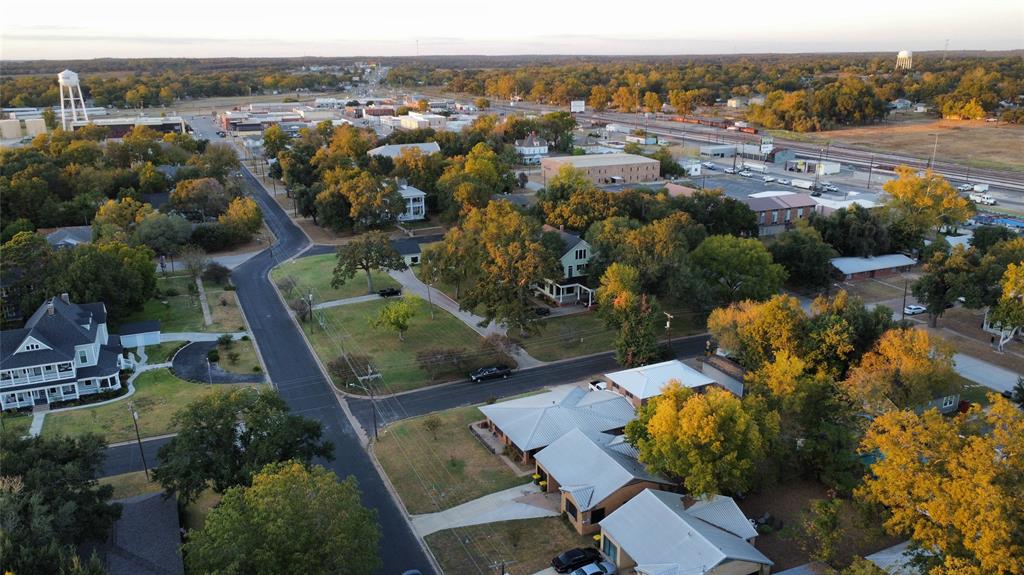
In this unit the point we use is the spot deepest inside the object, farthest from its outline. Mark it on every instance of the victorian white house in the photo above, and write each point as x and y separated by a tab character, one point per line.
531	148
62	353
573	260
415	203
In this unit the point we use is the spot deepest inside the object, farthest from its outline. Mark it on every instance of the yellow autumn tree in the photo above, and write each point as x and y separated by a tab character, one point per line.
953	485
906	369
922	202
755	332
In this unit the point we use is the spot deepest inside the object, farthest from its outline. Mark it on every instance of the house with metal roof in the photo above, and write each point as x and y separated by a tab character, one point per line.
528	424
595	475
642	383
64	352
393	150
658	533
873	266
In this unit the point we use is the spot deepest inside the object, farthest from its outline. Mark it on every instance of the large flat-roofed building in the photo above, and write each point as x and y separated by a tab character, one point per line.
606	168
120	127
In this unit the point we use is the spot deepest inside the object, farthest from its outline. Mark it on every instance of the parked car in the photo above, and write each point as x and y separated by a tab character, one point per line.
965	187
599	568
816	193
747	174
914	309
492	372
783	182
768	179
828	187
389	292
542	311
222	133
730	170
575	558
709	165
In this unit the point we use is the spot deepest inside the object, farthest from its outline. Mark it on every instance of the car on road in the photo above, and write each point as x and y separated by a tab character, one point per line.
222	133
389	292
816	193
730	170
783	182
829	187
708	165
747	174
965	187
768	179
599	568
914	309
575	558
492	372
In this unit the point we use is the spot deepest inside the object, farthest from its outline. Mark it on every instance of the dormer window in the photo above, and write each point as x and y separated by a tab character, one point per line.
32	347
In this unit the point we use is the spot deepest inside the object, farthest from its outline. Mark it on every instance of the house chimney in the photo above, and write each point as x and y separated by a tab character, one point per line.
49	307
65	298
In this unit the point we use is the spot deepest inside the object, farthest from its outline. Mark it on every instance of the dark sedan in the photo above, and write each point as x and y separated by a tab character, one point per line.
575	558
489	373
389	292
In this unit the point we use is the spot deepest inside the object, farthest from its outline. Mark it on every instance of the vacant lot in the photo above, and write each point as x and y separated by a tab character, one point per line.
158	395
316	271
981	144
178	310
435	470
526	545
349	328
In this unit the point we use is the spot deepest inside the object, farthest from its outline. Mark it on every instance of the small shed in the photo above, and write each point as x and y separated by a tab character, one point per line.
140	334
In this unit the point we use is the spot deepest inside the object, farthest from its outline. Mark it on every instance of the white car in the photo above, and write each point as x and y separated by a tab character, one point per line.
708	165
768	179
914	309
601	568
783	182
747	173
730	170
965	187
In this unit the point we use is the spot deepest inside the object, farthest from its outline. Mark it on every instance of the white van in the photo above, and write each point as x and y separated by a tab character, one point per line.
983	199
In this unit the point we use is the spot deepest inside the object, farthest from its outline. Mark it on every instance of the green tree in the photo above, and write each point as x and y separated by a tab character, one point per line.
28	251
200	198
984	237
820	530
720	215
151	181
946	277
712	441
734	269
162	233
49	119
50	500
116	219
805	257
368	252
292	519
1009	311
853	231
275	141
216	161
469	181
224	438
637	343
372	203
121	276
396	315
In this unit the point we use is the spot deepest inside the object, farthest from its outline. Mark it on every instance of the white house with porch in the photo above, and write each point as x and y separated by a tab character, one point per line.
62	353
531	148
415	203
574	258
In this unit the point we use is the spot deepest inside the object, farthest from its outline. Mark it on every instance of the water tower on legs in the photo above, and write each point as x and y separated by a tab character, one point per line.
72	104
905	60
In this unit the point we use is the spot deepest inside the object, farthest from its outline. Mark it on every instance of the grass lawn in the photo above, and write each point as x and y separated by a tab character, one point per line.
163	352
182	312
348	328
135	483
873	291
434	474
246	361
316	272
527	544
158	395
18	422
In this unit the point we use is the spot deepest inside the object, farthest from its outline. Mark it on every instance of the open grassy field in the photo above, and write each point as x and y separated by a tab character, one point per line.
158	395
181	311
316	272
349	328
435	471
527	545
978	143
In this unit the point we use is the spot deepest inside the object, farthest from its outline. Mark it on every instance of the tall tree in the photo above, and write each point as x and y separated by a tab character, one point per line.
734	269
952	485
946	277
162	233
637	343
805	257
275	141
200	199
924	202
853	231
713	441
216	161
1009	312
292	519
368	252
120	276
243	216
224	438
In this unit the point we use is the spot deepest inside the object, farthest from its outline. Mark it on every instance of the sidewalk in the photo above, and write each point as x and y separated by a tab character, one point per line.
197	336
347	301
522	502
411	283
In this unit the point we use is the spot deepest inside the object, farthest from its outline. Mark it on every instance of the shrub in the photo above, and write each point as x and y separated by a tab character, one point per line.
171	292
216	273
225	341
213	356
233	357
256	369
214	237
245	337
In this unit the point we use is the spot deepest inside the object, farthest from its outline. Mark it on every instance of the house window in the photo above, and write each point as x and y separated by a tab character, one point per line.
83	356
53	391
32	347
581	254
570	509
68	390
775	217
581	269
799	213
64	367
610	550
948	401
35	371
104	384
414	260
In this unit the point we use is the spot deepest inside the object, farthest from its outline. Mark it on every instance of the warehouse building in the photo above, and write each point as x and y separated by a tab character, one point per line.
606	168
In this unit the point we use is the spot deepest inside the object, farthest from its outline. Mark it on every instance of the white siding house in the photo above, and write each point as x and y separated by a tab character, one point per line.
531	148
575	257
62	353
415	204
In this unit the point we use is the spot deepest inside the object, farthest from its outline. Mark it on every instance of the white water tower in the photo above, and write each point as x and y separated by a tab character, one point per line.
904	60
72	105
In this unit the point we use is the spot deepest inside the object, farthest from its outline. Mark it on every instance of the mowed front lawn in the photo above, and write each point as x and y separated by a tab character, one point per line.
316	272
437	470
178	310
526	545
158	395
349	328
16	422
246	362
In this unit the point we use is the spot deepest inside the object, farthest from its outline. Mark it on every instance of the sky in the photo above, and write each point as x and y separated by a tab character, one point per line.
219	28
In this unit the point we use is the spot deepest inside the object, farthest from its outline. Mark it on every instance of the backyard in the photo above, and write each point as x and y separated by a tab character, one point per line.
178	309
316	271
435	470
349	327
526	545
158	395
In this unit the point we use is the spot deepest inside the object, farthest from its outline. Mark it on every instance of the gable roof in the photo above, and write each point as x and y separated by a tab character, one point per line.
538	420
414	246
531	141
68	326
70	236
569	239
408	191
648	380
859	265
589	469
786	200
664	538
145	540
393	150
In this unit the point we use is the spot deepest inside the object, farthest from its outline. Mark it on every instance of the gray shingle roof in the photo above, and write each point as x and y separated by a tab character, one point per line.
139	327
69	325
414	245
70	236
146	539
569	239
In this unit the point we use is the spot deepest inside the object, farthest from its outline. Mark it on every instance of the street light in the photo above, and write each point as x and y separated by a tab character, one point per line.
668	328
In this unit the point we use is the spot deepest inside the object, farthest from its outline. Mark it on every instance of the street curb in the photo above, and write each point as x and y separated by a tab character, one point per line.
144	440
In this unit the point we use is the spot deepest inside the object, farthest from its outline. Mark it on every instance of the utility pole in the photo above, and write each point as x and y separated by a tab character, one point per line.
935	147
668	328
138	437
309	300
903	311
209	370
871	169
373	403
